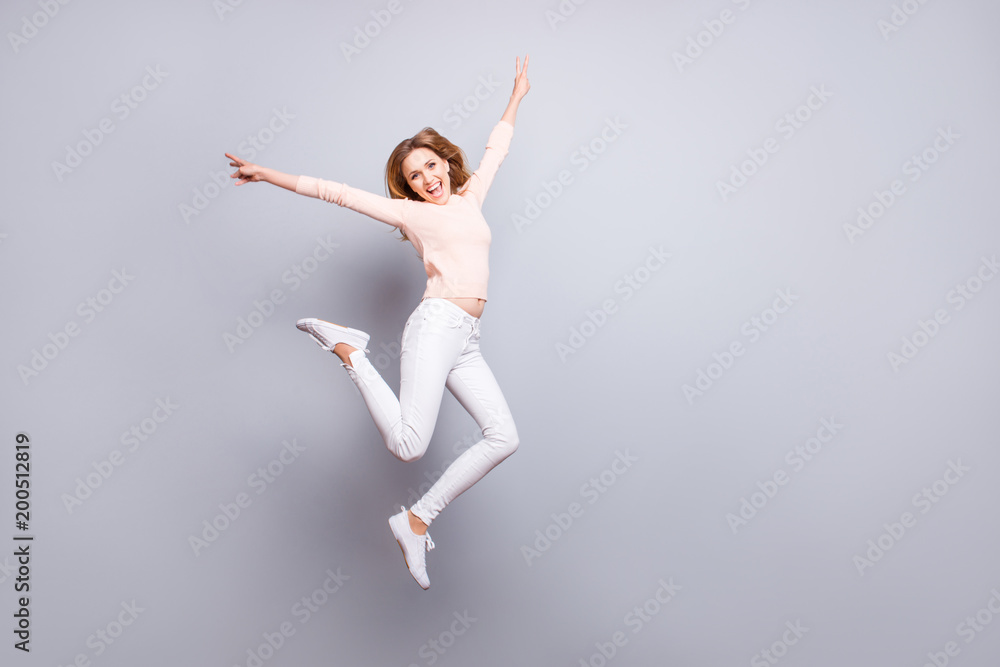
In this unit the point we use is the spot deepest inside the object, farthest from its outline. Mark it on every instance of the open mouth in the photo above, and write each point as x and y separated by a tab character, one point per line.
435	191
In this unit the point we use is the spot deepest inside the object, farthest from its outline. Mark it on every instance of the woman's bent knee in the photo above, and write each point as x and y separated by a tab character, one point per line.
408	457
408	448
505	441
511	447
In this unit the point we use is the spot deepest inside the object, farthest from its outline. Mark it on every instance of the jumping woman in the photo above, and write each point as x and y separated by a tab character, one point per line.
437	206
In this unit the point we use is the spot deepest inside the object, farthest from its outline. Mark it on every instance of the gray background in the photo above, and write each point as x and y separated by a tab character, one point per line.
665	517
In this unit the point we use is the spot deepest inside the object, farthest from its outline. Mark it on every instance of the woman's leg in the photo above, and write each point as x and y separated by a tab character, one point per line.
474	385
432	341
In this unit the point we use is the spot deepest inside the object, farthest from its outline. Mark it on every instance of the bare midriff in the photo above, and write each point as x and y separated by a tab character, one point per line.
469	304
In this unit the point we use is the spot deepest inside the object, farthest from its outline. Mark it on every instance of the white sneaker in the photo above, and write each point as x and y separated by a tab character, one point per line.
413	546
328	334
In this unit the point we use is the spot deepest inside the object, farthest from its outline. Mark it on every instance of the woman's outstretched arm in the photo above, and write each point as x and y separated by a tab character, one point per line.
521	88
383	209
249	172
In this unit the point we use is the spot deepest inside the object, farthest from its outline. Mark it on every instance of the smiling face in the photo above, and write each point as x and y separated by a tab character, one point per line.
428	175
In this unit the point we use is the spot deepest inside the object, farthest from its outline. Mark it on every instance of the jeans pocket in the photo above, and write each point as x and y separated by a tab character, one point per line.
414	322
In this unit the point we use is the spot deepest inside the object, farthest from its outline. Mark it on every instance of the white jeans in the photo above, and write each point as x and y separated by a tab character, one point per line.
440	348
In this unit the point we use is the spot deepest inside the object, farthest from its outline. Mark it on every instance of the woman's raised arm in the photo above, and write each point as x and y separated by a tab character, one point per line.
496	147
521	88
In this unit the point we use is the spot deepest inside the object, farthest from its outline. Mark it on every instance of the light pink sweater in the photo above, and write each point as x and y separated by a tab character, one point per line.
453	238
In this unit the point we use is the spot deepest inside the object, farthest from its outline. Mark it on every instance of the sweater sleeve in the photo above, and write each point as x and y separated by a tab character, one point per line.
383	209
496	150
